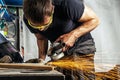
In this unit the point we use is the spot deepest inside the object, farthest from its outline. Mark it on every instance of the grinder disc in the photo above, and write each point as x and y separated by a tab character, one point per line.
57	56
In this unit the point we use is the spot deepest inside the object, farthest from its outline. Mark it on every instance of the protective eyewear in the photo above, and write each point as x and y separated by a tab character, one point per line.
44	27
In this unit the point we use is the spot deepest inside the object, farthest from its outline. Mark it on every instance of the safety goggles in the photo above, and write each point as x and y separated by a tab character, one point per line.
44	27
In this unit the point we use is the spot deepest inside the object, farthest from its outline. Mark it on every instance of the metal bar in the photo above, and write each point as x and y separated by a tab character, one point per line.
26	66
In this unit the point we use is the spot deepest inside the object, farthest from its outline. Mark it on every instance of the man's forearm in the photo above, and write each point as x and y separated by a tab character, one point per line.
85	27
89	22
42	47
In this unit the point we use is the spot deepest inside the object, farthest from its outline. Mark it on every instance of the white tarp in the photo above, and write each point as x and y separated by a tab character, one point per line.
106	35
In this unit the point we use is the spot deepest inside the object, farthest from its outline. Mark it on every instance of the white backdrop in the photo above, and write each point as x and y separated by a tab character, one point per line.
106	35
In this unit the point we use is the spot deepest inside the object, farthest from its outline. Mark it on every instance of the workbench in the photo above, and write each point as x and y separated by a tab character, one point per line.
29	74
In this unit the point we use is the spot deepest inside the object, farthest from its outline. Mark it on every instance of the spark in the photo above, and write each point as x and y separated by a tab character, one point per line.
86	65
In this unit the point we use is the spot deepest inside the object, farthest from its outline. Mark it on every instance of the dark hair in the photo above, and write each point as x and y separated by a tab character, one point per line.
35	10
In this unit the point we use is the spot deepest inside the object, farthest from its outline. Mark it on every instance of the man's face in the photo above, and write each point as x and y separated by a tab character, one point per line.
44	25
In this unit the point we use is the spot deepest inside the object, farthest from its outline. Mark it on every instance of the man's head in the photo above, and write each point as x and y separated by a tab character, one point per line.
38	12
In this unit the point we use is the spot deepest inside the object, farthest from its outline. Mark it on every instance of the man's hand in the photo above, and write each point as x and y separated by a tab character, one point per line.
69	40
36	60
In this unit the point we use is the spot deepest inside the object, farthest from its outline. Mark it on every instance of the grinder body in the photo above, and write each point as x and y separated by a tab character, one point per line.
55	51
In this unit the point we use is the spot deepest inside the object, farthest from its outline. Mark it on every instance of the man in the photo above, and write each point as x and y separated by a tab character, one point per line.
59	20
69	21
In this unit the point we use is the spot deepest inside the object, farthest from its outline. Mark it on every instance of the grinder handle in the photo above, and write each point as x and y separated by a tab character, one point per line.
56	47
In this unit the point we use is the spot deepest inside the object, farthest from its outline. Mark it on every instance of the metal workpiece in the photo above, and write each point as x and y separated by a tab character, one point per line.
34	66
30	74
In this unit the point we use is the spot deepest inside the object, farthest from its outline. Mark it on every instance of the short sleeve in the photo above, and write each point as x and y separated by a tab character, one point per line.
74	8
32	30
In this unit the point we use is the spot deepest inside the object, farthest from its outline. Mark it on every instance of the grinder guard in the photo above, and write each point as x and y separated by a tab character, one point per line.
55	51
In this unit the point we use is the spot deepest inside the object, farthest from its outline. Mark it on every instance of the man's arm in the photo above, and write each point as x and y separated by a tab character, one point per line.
42	43
89	22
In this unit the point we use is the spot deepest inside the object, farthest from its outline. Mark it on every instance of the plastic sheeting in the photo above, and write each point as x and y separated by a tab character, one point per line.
4	13
106	35
30	44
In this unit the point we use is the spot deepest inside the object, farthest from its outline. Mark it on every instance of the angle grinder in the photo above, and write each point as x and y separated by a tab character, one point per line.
55	51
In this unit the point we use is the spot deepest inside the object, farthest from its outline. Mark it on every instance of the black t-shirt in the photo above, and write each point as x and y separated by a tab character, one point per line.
65	19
